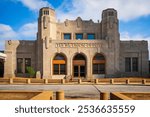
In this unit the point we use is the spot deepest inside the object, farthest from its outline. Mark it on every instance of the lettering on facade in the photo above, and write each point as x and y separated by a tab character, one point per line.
75	45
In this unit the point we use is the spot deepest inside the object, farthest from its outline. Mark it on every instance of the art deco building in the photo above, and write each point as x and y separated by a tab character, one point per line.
77	48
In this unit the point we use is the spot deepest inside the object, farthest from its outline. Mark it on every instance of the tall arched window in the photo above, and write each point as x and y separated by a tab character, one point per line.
99	64
59	65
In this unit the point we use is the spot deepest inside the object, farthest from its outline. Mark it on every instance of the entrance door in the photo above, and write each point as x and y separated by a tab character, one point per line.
79	71
79	66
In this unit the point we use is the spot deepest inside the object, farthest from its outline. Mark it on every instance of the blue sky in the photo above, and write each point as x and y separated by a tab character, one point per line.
18	18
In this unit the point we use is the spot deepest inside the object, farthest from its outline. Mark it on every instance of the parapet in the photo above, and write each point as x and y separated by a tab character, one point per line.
47	11
110	12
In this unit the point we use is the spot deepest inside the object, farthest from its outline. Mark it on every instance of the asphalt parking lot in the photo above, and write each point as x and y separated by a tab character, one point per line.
80	91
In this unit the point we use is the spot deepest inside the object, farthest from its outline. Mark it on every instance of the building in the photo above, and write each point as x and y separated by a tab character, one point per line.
2	59
77	48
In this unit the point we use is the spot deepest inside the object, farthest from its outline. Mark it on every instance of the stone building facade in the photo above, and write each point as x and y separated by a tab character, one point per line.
77	48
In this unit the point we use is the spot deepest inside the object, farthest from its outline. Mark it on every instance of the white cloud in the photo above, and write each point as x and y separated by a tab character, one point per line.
6	32
2	44
35	5
92	9
28	30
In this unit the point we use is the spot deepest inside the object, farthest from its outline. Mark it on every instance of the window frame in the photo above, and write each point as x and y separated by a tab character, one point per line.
65	34
97	64
81	34
28	64
128	64
59	62
21	70
88	34
133	64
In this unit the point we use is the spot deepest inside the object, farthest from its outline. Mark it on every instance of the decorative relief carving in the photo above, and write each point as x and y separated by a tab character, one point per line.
66	22
46	42
45	22
9	42
111	22
79	22
76	45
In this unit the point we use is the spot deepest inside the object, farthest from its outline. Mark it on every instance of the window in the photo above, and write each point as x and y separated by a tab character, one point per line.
131	64
128	64
99	57
110	13
99	68
56	68
62	69
99	64
79	36
79	57
19	65
67	36
46	12
59	65
135	64
27	64
91	36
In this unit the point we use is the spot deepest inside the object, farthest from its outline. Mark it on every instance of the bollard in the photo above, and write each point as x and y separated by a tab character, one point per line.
104	96
63	81
112	81
28	81
11	81
46	81
79	81
144	81
96	81
127	81
59	95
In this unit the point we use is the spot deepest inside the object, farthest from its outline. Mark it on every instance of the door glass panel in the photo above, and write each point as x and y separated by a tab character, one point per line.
82	71
76	71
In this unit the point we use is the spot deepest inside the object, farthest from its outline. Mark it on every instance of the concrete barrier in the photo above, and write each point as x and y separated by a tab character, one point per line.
127	81
79	81
119	96
11	81
28	81
96	81
46	81
112	81
144	81
62	81
25	95
104	96
45	95
60	95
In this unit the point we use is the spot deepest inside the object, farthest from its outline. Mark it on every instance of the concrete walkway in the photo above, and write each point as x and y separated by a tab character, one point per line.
80	91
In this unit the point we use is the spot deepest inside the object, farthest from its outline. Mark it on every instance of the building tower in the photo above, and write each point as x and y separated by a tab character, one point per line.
46	33
110	33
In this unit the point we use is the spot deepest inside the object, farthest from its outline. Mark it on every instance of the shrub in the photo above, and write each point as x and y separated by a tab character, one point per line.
31	71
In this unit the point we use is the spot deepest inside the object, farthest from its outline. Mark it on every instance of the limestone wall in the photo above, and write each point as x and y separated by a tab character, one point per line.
18	49
134	49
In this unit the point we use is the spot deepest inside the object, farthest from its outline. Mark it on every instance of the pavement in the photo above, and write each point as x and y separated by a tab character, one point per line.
80	91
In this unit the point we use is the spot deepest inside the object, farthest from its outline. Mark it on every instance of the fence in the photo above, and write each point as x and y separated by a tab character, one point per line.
115	81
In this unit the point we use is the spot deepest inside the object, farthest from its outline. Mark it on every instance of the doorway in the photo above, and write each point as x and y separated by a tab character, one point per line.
79	66
79	71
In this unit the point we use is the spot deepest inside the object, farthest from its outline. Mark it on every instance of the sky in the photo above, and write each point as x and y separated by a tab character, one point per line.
18	18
